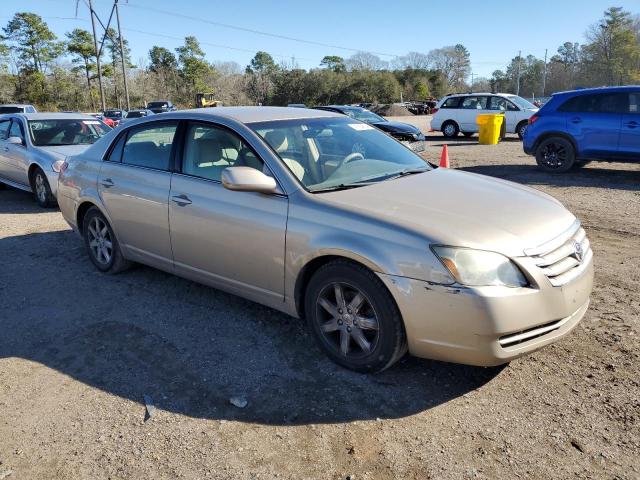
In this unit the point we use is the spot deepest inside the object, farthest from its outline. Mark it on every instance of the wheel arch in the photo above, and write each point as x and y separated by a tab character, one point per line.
563	135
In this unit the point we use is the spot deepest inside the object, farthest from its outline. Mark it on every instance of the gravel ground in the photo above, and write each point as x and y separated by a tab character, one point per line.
80	352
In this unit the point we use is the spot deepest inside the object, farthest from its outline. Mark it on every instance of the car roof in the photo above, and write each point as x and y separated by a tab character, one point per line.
625	88
250	114
50	116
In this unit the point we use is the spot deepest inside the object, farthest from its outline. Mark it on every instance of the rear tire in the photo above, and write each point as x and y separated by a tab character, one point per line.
521	128
555	155
450	129
41	189
101	243
354	318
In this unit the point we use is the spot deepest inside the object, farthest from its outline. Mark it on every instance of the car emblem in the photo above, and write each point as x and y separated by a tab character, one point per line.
578	252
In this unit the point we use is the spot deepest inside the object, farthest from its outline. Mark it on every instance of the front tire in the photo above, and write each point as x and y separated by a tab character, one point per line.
450	129
354	318
101	243
555	155
521	128
42	189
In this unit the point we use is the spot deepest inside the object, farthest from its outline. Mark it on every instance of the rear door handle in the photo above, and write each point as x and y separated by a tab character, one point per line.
182	200
576	120
107	183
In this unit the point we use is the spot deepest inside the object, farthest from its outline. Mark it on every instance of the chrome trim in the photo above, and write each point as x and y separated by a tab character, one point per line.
555	242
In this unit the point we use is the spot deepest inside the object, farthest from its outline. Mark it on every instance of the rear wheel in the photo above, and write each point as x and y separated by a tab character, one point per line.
555	155
102	245
450	129
521	128
42	189
354	318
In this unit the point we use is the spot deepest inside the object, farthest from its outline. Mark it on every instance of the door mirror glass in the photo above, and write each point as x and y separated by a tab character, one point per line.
14	140
247	179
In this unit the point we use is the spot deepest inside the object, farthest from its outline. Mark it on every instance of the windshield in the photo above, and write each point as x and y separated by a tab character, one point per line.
49	133
364	115
11	109
113	113
136	114
336	152
521	102
157	104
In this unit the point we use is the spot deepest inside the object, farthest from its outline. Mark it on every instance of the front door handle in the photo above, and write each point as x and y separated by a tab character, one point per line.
576	120
107	183
182	200
632	124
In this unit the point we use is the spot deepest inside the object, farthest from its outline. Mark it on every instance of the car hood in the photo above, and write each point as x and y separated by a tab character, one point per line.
397	127
60	152
463	209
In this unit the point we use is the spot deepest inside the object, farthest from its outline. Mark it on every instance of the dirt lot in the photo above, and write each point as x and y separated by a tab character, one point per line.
79	351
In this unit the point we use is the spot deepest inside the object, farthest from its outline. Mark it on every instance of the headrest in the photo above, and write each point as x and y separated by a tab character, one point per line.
278	140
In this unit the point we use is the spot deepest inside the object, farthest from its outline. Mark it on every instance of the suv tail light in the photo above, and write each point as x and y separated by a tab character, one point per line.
533	119
434	111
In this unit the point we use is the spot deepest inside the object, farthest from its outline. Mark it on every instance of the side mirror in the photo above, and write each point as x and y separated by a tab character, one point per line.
15	141
247	179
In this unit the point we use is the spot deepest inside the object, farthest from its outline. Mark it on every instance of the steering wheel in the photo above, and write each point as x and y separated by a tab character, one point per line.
350	158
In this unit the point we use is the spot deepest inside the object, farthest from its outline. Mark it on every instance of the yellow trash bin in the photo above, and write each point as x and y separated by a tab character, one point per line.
490	127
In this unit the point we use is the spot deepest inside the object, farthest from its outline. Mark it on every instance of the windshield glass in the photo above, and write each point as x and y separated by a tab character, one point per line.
136	114
113	113
157	104
11	109
364	116
49	133
325	153
521	102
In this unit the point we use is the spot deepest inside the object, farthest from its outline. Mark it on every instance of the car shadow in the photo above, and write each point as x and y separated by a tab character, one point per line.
13	200
595	175
191	348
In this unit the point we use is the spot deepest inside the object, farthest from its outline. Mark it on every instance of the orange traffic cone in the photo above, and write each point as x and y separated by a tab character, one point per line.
444	158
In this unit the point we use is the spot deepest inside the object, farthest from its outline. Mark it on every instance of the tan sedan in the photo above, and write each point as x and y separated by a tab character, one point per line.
327	218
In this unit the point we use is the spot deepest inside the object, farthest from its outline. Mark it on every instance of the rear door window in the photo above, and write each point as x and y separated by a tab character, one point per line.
598	103
150	146
474	103
634	102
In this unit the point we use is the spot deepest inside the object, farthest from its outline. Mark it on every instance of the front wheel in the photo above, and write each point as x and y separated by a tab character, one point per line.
101	243
42	189
555	155
354	318
521	128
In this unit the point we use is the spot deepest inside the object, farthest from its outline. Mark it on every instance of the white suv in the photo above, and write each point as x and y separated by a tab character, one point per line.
457	113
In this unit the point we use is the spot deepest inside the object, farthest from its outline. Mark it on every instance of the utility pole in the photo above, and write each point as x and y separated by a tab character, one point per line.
95	46
544	75
122	57
472	75
518	82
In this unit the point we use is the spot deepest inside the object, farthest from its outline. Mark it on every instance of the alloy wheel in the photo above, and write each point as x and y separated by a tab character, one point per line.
449	130
347	320
554	155
41	188
100	241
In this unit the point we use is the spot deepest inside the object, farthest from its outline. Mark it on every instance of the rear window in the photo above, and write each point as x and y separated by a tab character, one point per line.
11	110
597	103
452	102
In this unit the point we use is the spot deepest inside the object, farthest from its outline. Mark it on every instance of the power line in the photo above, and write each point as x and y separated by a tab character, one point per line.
257	32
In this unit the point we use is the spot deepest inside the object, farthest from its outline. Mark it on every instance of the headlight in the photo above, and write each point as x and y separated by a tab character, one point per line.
480	268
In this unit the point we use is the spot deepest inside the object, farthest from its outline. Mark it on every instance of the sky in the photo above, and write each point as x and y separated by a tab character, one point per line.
493	31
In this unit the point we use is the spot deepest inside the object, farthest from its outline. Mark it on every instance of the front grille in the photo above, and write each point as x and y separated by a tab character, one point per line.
530	333
565	257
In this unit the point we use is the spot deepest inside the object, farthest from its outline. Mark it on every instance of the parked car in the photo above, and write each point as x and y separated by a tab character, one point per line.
161	106
17	108
458	112
324	217
115	115
405	132
583	125
133	114
297	105
105	120
33	147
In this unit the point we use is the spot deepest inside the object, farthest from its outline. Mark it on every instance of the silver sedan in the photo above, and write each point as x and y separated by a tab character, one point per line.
33	146
327	218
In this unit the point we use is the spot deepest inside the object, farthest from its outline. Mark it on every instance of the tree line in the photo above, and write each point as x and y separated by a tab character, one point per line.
60	74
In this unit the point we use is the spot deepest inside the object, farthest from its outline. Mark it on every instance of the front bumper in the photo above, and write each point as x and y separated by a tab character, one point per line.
487	326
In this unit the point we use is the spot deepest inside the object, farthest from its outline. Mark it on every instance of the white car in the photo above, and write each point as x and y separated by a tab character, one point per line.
17	108
33	147
457	113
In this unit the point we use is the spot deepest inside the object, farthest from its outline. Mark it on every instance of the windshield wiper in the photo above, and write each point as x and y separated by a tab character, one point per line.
342	186
408	171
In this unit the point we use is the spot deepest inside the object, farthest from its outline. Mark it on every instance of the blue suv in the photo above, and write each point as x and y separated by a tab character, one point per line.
583	125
